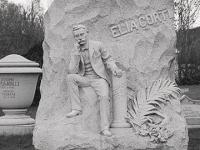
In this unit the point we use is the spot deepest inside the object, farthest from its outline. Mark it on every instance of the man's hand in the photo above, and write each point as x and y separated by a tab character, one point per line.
117	72
76	49
77	46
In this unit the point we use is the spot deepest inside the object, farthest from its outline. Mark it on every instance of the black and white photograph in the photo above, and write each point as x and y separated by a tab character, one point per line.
99	74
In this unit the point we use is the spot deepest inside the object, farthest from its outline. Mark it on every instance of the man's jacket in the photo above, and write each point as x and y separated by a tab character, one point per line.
99	57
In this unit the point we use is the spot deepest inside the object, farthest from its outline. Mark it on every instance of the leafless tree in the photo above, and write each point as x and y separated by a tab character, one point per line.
186	13
20	29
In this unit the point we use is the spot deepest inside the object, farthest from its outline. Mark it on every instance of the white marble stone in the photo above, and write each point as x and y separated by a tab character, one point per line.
140	36
18	79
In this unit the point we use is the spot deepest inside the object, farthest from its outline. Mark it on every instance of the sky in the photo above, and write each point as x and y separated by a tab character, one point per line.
26	3
46	3
197	23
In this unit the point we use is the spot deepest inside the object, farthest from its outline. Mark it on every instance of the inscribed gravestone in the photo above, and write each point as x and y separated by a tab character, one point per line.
140	36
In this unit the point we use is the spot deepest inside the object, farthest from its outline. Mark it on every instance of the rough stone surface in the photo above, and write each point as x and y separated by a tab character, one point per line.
145	53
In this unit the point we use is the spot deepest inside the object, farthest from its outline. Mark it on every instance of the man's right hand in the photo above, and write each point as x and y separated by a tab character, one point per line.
77	47
76	50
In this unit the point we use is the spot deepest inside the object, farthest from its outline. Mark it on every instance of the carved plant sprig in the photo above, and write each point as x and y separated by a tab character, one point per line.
147	105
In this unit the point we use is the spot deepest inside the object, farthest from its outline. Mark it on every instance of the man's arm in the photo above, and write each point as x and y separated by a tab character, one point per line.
109	61
74	62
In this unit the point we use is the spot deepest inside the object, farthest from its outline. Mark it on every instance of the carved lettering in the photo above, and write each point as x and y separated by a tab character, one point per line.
157	17
136	23
127	26
167	14
7	86
142	21
8	82
8	94
150	19
115	31
133	25
123	28
162	15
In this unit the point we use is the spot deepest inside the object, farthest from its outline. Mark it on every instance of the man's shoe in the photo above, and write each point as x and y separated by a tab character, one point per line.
73	113
106	133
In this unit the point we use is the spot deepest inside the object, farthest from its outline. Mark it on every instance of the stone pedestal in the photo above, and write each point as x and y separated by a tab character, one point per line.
120	95
15	122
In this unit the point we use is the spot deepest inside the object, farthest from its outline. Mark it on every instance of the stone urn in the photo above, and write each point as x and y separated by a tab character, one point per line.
18	79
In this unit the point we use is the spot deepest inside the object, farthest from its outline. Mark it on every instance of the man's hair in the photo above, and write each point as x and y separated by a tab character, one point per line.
79	26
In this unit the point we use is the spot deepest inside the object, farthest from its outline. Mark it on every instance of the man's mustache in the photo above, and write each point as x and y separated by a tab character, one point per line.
81	41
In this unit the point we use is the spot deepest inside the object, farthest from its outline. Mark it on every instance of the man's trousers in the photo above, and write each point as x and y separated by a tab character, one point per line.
100	87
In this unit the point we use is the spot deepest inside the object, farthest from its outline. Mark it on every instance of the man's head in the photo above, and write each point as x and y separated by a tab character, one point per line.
80	34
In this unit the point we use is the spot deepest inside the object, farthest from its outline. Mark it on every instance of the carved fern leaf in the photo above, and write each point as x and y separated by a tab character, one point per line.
148	102
161	92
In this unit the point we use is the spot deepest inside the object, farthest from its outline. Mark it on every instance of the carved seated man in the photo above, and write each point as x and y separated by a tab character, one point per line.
88	67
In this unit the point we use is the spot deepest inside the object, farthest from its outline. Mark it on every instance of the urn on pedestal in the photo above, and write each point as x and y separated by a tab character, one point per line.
18	79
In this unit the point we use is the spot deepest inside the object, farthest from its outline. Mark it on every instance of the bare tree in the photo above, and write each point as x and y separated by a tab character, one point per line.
3	3
20	29
186	12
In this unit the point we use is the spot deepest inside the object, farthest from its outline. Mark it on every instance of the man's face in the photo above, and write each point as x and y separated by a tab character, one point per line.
81	36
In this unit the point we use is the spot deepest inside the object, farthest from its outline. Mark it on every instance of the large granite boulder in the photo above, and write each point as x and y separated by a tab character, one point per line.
140	36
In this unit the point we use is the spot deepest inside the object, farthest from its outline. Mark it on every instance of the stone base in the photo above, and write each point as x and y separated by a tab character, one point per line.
120	125
121	131
16	130
15	122
68	137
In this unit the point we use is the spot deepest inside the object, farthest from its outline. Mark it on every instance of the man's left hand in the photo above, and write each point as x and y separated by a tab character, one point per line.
117	72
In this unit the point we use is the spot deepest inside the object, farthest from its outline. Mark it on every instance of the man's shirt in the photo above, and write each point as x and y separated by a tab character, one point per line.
89	71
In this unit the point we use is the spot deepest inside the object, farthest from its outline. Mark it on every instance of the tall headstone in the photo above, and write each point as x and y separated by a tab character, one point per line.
140	36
